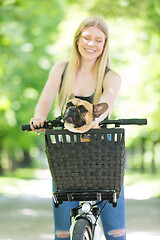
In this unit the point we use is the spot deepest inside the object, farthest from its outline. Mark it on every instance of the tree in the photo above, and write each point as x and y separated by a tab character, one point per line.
28	31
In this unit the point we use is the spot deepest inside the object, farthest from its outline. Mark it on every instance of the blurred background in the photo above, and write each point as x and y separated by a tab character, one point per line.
36	34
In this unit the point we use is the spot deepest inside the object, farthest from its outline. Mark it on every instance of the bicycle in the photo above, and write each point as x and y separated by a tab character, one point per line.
86	171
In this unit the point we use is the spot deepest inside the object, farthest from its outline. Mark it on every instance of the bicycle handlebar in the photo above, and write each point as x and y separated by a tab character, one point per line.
132	121
58	122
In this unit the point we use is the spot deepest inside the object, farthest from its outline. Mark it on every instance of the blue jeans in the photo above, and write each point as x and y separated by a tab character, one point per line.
113	219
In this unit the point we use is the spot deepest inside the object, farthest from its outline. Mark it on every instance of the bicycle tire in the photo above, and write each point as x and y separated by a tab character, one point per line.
82	230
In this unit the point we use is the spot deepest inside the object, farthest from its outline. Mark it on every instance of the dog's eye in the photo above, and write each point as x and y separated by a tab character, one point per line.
82	109
69	104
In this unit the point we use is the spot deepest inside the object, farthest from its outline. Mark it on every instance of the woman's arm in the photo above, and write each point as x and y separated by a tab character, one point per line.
48	95
111	86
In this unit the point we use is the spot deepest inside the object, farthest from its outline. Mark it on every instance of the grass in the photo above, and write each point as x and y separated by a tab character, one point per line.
19	177
21	173
144	182
13	181
133	177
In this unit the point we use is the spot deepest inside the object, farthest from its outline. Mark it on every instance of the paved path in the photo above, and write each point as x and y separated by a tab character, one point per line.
26	213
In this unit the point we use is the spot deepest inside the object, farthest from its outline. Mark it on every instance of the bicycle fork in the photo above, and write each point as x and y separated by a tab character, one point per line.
91	214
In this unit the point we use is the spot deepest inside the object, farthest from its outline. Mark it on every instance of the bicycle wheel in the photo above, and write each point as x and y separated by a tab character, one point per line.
82	230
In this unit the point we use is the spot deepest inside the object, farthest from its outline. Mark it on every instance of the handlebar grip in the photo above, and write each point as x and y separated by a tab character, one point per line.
133	121
26	127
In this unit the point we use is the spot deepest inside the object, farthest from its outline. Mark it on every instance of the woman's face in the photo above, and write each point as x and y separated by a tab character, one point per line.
91	43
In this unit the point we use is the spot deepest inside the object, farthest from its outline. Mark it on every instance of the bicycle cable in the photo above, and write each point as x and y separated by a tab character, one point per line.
99	213
95	204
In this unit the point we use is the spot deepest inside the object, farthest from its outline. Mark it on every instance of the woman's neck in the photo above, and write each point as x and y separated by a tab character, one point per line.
86	66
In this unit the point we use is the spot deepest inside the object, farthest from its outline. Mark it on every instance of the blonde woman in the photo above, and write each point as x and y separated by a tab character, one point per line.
88	75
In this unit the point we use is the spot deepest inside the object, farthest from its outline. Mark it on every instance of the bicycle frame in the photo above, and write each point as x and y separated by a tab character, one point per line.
90	212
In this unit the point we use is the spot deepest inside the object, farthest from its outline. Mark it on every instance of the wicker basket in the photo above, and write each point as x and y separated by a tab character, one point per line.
95	165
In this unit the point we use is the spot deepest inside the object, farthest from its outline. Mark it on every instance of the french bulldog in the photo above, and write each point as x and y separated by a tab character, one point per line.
80	115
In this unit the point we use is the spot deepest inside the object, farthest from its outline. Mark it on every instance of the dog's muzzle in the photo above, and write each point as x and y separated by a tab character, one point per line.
73	116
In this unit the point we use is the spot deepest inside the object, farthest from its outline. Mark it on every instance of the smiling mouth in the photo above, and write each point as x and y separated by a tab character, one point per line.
90	50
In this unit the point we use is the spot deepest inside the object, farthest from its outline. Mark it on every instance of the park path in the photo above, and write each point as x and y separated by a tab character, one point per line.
26	212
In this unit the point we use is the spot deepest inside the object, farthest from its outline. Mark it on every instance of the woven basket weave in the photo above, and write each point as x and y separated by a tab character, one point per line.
95	165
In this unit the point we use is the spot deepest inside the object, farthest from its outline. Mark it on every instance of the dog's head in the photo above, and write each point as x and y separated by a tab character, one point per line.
80	115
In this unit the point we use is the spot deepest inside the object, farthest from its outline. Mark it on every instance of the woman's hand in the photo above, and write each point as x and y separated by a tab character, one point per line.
37	122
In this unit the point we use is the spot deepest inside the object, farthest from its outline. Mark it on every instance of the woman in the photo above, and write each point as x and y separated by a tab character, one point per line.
89	77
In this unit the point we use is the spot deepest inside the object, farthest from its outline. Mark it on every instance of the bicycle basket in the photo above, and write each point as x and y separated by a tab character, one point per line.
94	165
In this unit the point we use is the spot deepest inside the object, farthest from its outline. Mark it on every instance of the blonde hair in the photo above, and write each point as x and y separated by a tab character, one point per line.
100	65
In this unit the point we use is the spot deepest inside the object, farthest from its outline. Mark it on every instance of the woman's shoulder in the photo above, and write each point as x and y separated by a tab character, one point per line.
61	64
111	78
112	75
59	67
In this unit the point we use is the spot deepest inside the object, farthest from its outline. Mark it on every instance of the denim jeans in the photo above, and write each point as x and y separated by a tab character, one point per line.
113	219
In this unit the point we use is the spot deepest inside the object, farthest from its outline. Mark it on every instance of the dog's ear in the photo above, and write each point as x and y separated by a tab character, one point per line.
99	108
71	96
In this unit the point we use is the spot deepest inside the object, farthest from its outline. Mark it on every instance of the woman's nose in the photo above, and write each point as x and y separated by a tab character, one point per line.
91	43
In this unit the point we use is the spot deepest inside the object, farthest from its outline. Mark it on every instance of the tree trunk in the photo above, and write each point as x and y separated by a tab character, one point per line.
153	167
142	153
27	159
1	168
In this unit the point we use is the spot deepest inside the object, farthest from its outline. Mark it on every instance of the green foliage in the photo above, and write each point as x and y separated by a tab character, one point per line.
145	16
28	30
35	34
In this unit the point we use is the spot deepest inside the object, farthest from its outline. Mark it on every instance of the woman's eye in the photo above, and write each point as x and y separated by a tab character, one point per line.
86	38
98	41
